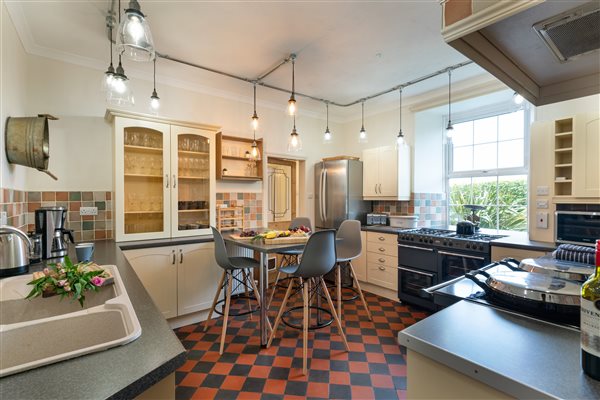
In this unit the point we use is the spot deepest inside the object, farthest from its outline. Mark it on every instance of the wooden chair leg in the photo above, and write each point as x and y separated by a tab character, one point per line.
274	289
226	313
214	303
338	281
335	317
259	300
280	313
246	293
305	323
362	297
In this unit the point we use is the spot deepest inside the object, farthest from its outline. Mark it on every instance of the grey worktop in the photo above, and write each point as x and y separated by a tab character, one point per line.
382	229
522	357
120	372
144	244
520	240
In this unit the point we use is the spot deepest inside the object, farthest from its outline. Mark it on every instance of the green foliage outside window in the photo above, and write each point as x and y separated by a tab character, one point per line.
505	202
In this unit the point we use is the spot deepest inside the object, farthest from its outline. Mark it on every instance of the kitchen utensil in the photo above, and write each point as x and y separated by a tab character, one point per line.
84	251
35	255
28	143
474	218
14	251
557	268
465	228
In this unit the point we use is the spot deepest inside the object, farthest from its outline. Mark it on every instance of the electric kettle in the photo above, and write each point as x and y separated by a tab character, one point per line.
14	251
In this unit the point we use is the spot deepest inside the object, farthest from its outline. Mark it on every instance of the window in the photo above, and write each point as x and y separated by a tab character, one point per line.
488	166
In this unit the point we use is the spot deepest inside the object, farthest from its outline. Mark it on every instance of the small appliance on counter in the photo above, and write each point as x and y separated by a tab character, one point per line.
50	224
404	221
376	219
35	255
14	251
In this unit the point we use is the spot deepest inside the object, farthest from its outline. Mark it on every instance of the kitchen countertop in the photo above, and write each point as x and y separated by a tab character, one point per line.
522	357
383	229
120	372
520	240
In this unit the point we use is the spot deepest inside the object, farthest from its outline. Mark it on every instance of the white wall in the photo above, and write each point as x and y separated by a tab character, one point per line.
588	104
13	84
429	153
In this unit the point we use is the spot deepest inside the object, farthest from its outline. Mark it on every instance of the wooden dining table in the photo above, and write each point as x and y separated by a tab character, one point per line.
263	249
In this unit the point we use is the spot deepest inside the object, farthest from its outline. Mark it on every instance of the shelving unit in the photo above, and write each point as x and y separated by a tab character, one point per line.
233	161
563	157
230	218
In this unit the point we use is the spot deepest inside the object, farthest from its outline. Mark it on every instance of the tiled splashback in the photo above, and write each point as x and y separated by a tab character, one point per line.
252	203
21	207
430	207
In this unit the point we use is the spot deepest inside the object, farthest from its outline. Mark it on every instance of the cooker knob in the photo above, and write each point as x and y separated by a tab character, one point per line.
430	240
480	247
445	243
450	244
467	246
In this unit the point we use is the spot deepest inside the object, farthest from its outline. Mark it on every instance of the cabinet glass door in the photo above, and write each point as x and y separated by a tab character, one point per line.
192	184
143	194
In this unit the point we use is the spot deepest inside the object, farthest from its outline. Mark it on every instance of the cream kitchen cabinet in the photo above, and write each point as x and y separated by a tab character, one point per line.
386	173
586	156
360	263
164	179
382	259
180	279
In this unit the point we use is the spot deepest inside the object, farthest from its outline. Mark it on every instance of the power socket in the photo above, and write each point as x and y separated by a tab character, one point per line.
88	210
3	218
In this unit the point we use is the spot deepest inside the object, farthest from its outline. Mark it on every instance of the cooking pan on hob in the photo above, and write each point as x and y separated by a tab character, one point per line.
531	293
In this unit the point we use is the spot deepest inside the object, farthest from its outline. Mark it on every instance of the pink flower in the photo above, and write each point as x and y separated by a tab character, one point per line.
67	288
62	282
97	281
46	271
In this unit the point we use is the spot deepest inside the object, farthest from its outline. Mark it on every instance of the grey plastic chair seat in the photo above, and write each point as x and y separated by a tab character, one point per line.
243	262
290	269
297	252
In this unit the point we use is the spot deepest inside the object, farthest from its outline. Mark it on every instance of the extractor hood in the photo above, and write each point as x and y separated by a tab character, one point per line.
548	51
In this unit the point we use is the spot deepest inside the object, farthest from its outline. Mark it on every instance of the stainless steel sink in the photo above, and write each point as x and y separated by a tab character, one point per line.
47	330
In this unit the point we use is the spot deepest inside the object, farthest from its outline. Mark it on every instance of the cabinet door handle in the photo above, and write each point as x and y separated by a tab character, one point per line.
376	188
381	249
174	258
382	260
167	180
174	181
180	256
381	238
380	188
382	268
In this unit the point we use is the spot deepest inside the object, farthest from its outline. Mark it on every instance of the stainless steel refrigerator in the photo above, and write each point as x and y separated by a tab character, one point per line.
338	193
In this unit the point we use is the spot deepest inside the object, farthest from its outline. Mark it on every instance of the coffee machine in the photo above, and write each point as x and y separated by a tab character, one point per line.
50	223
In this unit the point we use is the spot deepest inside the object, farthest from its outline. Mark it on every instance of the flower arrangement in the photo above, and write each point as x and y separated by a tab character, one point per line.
68	280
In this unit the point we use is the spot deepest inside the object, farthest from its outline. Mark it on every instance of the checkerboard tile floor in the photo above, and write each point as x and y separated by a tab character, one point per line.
375	367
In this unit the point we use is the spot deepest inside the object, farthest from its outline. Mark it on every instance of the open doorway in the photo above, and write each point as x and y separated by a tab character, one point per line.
282	192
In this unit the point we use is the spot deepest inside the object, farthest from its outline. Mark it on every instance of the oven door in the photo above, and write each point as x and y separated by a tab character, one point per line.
454	265
410	283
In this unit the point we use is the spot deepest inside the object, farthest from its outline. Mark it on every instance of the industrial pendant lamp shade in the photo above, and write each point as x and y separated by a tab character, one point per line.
400	137
327	135
154	99
362	134
134	38
254	116
109	75
449	127
294	142
292	100
120	93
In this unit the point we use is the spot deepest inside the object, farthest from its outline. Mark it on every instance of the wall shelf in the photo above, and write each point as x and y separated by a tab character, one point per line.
563	157
232	164
230	218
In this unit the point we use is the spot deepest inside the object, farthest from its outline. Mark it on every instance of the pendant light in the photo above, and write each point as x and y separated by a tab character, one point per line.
518	99
449	127
254	152
292	100
120	93
294	142
362	134
134	38
327	135
254	116
400	137
109	75
154	99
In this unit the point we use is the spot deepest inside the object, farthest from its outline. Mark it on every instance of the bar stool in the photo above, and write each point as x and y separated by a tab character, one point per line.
317	259
230	265
288	257
348	247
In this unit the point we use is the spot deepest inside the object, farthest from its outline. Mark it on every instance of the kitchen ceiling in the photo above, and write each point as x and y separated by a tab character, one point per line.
346	50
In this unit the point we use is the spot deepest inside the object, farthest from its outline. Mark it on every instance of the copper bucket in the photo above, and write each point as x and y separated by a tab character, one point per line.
27	142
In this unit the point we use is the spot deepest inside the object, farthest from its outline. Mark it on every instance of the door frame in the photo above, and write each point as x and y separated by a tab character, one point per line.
298	202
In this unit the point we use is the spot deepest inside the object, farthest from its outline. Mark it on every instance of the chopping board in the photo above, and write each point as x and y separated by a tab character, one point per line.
238	237
287	240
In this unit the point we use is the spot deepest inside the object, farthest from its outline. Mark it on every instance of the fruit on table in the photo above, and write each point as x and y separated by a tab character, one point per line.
248	234
281	234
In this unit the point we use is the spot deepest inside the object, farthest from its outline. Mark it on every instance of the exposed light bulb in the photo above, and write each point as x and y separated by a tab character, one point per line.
449	130
292	106
400	139
254	122
327	136
119	85
294	140
254	151
362	135
135	27
154	103
518	99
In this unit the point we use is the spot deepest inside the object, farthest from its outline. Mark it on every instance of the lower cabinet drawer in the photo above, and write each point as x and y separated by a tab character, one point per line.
384	276
390	249
383	259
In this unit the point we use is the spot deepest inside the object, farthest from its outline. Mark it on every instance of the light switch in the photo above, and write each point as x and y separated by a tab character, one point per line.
541	220
3	218
542	203
542	190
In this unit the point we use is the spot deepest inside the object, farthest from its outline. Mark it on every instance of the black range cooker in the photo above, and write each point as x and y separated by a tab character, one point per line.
427	257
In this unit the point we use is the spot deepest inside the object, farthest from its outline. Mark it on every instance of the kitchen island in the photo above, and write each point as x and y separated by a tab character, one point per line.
120	372
474	351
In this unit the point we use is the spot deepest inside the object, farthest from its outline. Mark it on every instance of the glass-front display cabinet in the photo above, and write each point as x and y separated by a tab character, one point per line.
164	180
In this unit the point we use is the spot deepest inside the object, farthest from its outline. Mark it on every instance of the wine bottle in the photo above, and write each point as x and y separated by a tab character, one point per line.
590	322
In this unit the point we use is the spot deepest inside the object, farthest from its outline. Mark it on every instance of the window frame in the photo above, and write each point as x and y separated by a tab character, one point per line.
480	113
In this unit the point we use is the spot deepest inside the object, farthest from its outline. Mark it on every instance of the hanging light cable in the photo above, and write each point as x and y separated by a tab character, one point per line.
120	93
362	135
255	116
449	127
109	75
327	135
292	100
154	99
400	137
294	142
134	38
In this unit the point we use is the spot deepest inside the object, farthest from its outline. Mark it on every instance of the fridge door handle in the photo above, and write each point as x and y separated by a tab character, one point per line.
324	199
321	196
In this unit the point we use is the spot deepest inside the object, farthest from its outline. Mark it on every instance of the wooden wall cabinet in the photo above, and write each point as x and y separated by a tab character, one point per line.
234	160
386	173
